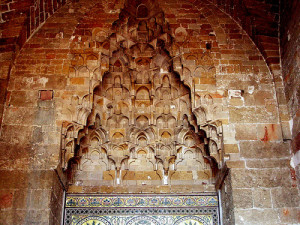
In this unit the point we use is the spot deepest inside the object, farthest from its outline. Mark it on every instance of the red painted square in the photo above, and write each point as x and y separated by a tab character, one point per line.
46	95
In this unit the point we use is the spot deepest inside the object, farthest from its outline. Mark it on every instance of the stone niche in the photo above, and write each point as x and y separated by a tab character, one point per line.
141	127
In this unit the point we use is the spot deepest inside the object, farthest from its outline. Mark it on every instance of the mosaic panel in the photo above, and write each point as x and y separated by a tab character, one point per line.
141	210
141	201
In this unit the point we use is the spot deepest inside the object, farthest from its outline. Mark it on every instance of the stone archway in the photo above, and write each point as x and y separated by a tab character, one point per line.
56	75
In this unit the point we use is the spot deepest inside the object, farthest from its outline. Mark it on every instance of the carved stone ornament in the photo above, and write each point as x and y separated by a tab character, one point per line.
141	118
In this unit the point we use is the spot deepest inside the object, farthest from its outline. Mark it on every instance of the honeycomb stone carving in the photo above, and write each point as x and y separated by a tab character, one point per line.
141	121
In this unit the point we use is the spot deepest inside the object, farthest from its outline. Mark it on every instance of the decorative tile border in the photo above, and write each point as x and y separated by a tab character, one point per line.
141	201
141	209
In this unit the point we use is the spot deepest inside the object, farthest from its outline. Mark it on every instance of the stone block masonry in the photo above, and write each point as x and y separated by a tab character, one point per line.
203	110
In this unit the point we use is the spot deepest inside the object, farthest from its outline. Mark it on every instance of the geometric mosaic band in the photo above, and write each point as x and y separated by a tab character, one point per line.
141	201
141	210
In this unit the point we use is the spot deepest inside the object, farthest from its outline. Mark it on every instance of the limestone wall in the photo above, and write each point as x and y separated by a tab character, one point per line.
229	83
289	37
